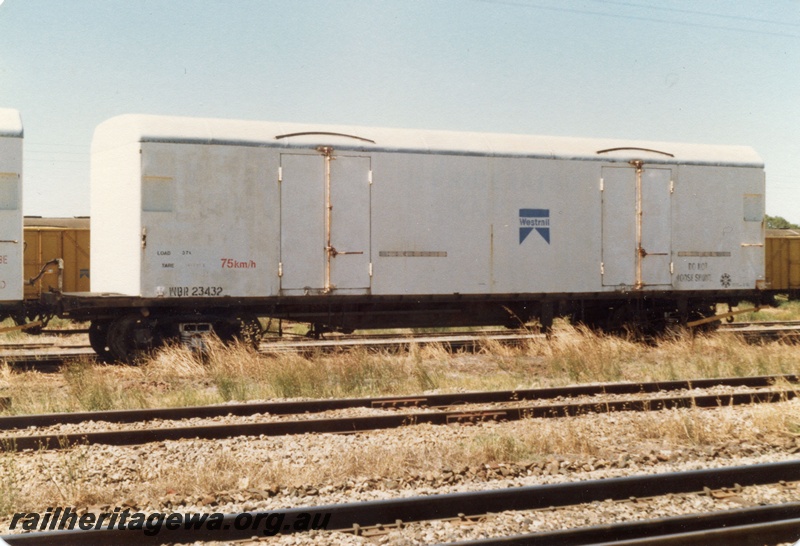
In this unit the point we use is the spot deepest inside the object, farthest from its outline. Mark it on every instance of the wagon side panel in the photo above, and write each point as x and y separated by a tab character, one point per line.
718	228
210	214
116	235
11	237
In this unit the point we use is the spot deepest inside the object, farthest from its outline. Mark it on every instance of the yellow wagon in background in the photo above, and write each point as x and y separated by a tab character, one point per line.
50	239
782	257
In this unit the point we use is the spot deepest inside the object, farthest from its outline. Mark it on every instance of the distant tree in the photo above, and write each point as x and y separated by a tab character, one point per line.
776	222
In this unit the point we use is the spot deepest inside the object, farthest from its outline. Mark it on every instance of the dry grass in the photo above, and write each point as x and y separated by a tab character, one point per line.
536	439
581	356
239	373
177	377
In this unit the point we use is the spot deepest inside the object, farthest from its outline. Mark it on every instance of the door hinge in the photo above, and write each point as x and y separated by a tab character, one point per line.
602	184
671	186
370	269
602	268
370	177
144	237
280	269
280	175
671	268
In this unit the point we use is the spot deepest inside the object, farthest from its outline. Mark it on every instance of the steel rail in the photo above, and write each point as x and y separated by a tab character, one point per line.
766	334
743	535
743	526
451	340
37	345
378	422
759	324
422	400
63	355
354	516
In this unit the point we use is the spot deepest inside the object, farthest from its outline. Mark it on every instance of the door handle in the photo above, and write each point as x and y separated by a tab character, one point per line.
333	252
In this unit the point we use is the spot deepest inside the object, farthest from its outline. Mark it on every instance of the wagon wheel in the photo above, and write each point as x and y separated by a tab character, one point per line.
251	331
627	320
130	338
246	329
635	322
98	339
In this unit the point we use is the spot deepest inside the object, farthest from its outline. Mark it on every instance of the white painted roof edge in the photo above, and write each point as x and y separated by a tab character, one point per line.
10	123
131	128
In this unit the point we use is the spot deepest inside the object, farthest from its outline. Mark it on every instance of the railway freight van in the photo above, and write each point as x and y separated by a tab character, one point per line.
202	224
11	243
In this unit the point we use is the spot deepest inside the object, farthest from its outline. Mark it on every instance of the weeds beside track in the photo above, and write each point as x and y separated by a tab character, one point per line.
354	517
362	424
429	401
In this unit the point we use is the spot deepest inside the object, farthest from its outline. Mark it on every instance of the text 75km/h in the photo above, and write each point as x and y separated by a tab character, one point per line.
230	263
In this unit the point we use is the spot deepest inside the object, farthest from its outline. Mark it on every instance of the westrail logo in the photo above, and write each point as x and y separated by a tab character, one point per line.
534	219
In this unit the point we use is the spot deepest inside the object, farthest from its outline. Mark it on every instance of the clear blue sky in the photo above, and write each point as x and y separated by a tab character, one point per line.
709	71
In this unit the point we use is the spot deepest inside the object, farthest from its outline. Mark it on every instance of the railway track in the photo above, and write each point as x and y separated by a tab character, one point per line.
767	330
446	413
771	524
49	361
388	402
472	340
450	340
31	353
768	524
760	323
49	354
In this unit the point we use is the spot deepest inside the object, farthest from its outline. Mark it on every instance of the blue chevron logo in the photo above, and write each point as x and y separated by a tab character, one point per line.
534	219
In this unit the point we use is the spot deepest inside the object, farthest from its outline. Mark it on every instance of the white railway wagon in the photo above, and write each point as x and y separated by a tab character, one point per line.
352	227
11	241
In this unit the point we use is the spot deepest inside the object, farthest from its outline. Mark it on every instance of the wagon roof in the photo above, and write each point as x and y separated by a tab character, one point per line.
10	123
783	233
75	222
147	128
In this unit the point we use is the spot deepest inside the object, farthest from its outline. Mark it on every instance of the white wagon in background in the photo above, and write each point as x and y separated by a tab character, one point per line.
11	241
